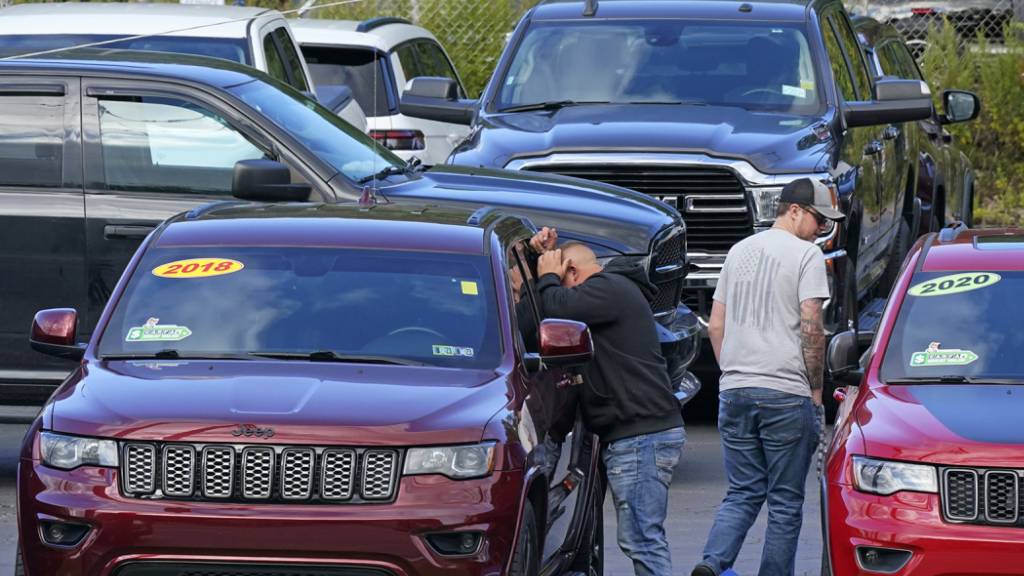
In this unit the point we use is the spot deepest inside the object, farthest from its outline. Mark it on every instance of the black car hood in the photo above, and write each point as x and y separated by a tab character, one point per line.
619	220
773	143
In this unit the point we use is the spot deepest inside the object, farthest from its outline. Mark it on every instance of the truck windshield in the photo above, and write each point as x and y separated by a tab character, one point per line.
954	325
757	66
234	49
308	304
361	70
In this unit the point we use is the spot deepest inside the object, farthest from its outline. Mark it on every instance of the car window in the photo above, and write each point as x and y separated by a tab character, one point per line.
31	140
407	58
234	49
887	61
523	282
433	62
836	59
275	64
361	70
905	61
292	62
166	144
852	52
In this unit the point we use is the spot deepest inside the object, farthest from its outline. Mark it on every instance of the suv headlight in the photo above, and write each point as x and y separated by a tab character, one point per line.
885	477
766	204
68	452
457	462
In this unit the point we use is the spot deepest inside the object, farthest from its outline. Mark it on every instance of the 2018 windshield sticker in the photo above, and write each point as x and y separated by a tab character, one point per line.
153	331
469	288
933	356
954	284
441	350
198	268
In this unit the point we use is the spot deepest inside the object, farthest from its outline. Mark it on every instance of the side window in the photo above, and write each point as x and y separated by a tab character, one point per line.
407	58
887	61
838	62
523	283
275	64
31	140
853	56
168	145
907	65
292	60
433	62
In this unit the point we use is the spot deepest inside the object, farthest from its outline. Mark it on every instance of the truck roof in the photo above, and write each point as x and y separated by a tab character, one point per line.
383	37
772	10
988	249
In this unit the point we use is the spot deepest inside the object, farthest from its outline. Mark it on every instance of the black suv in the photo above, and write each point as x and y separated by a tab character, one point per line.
710	106
110	143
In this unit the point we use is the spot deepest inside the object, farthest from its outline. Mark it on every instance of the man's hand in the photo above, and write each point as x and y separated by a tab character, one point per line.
550	262
544	241
812	343
816	397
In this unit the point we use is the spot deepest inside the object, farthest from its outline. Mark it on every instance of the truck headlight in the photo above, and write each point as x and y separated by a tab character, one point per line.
68	452
457	462
766	204
885	477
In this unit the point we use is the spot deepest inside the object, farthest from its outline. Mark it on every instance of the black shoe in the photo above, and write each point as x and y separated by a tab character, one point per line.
703	570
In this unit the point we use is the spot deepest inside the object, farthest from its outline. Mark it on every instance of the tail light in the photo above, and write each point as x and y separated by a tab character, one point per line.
399	139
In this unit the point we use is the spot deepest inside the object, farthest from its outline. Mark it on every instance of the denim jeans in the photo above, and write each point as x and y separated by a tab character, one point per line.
768	438
640	472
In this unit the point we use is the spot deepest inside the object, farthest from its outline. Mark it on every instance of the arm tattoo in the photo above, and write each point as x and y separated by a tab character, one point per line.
812	341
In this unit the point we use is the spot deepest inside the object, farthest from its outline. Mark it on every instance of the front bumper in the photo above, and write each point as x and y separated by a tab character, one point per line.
389	538
913	522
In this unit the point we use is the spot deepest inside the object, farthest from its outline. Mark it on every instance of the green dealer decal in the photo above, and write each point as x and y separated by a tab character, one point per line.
933	356
954	284
153	331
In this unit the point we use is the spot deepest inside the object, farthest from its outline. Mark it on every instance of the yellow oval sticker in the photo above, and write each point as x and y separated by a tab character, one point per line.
197	268
954	284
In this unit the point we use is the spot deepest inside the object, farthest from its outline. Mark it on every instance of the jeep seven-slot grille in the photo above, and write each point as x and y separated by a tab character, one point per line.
246	473
712	200
980	496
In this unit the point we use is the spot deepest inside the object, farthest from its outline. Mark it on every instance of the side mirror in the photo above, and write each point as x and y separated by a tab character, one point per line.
436	98
565	343
960	106
54	331
266	181
844	358
896	100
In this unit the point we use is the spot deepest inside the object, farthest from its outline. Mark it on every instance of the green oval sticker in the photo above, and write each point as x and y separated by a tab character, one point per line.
954	284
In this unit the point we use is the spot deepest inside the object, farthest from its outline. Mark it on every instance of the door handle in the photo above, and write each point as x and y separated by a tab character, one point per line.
872	148
126	231
890	133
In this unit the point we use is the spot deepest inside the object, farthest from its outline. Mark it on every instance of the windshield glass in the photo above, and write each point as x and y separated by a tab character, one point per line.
421	307
333	140
234	49
958	324
361	70
758	66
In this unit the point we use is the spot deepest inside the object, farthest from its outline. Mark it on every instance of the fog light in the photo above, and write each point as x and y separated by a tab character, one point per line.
882	560
455	543
62	534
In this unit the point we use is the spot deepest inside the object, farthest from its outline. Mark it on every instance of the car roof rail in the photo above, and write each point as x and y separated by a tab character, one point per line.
200	211
949	233
371	23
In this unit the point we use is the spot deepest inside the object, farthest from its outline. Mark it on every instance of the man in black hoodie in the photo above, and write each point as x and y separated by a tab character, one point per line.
625	397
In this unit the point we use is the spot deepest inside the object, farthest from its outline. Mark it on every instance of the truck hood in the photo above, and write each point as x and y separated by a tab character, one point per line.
969	425
772	143
305	403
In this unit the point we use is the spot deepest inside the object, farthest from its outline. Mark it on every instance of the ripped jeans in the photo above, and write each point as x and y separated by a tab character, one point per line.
640	472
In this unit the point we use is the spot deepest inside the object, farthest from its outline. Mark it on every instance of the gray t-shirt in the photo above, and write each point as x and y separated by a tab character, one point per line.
765	278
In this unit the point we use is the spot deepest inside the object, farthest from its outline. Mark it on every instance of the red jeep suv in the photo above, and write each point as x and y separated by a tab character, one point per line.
925	474
315	390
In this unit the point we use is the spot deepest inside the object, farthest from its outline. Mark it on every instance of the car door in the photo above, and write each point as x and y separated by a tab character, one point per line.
42	257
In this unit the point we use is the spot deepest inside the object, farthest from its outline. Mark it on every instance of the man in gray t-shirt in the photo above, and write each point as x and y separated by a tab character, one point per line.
766	331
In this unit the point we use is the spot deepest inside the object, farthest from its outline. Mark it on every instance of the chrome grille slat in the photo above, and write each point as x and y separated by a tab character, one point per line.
297	473
179	470
337	474
257	472
139	468
218	471
982	496
1001	505
379	469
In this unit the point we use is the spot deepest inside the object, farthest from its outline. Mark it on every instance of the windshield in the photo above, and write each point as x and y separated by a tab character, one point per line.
361	70
333	140
411	307
234	49
758	66
958	324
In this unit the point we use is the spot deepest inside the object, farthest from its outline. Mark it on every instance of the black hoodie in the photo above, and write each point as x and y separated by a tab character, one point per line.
626	390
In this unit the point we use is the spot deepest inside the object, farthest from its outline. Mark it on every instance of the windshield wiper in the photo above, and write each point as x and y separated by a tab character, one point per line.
382	174
553	105
670	102
953	379
332	356
171	354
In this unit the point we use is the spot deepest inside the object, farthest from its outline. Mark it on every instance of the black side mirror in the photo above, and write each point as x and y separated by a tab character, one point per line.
896	100
54	332
436	98
843	358
266	181
960	106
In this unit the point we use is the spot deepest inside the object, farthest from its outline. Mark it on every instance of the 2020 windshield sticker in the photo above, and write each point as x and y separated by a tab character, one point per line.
198	268
954	284
933	356
442	350
153	331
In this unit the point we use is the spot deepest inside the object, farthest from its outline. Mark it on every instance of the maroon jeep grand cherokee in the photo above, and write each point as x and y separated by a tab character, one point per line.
308	389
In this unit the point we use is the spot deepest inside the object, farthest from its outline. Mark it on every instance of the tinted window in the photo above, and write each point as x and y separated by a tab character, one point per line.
905	62
407	58
292	61
31	140
433	62
275	64
976	313
887	61
840	70
434	308
165	144
853	56
234	49
362	71
762	66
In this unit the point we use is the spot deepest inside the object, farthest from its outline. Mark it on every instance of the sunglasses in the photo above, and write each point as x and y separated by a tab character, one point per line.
821	220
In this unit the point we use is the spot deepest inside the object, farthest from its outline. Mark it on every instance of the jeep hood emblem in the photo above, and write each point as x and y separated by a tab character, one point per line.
250	430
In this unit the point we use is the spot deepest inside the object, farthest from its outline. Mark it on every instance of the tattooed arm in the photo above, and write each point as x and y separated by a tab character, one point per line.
812	342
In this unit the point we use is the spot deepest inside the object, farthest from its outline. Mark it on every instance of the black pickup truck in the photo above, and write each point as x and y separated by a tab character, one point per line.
712	107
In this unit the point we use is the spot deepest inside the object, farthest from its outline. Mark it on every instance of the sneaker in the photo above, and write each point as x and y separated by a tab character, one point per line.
703	570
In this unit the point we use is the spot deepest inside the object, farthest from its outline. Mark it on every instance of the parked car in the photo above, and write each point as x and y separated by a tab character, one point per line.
376	58
111	144
923	475
710	106
913	19
367	401
945	182
253	36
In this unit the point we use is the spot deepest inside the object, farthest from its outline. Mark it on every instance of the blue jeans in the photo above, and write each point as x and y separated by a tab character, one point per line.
639	473
768	438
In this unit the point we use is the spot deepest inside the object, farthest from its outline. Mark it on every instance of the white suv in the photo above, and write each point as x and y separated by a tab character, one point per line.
254	36
375	59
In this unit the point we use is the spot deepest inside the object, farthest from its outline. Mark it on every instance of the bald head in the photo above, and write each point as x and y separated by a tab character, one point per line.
582	263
